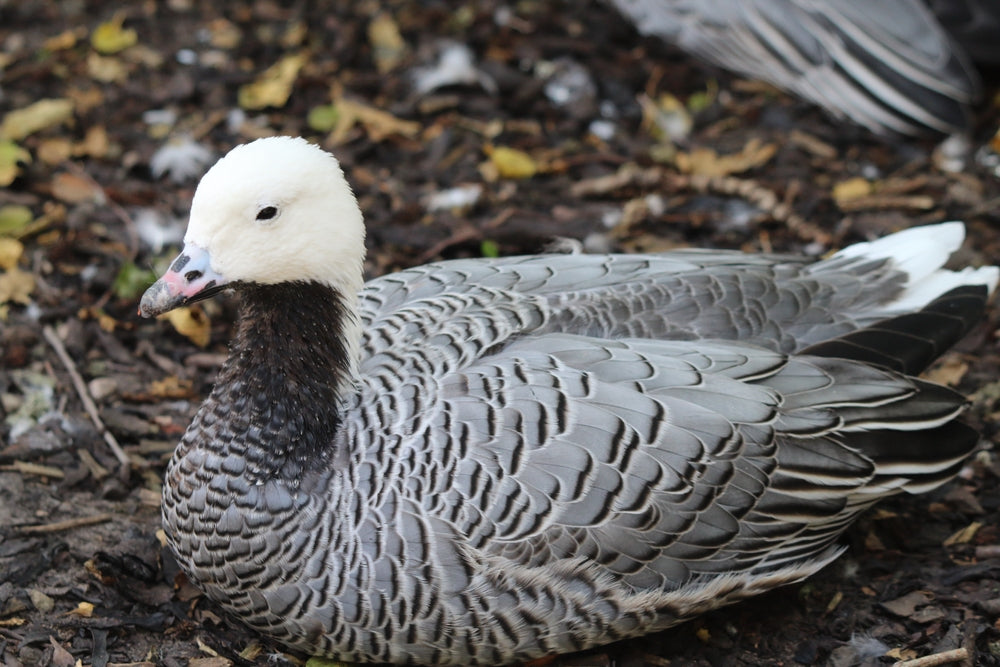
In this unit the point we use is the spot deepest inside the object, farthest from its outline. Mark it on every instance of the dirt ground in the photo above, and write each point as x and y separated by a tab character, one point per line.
558	122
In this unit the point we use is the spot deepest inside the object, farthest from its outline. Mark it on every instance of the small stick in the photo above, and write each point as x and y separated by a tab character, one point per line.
68	524
85	398
955	655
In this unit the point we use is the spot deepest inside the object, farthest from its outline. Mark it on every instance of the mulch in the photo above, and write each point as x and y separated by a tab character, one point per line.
652	151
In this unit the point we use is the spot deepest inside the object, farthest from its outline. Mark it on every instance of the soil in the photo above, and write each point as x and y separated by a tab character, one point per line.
83	576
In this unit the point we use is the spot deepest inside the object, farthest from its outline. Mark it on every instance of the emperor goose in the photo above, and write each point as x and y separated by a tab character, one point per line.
482	461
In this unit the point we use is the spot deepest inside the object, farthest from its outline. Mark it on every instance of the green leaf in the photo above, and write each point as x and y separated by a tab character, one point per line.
489	248
323	118
132	281
14	218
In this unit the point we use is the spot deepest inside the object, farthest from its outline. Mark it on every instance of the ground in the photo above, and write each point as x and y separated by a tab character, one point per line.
96	202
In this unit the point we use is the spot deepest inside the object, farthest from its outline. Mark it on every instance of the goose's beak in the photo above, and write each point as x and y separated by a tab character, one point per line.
190	278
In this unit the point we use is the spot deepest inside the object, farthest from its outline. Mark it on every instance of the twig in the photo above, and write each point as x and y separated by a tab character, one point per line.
85	398
68	524
936	659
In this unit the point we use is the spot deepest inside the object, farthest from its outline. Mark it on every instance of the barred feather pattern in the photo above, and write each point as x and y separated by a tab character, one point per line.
543	454
889	66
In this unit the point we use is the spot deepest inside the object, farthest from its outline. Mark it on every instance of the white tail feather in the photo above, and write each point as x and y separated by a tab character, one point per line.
921	252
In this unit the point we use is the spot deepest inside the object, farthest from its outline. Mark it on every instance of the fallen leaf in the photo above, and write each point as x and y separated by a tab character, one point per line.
388	46
377	123
322	118
95	143
223	34
83	610
16	285
172	387
10	252
14	219
707	162
111	37
60	656
192	323
74	189
852	188
11	157
55	150
906	605
132	280
274	85
20	123
511	162
949	371
106	69
964	535
64	40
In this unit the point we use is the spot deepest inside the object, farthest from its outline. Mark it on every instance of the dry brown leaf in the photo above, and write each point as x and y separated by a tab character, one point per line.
852	188
42	114
388	46
10	252
60	656
16	285
706	162
948	371
55	150
273	86
223	34
192	323
95	143
65	40
377	123
74	189
906	605
106	69
172	387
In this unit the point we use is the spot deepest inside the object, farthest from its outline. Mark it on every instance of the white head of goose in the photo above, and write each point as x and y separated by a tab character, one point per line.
489	461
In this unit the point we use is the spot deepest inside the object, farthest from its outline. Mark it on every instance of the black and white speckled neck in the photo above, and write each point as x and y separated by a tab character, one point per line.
287	364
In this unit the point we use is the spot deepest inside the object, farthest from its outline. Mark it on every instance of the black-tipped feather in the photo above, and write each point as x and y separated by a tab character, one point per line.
910	343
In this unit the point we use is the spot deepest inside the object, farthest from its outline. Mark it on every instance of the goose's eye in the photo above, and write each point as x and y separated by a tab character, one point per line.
267	213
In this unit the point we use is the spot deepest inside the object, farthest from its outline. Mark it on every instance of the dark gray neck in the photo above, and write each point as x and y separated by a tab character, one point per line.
280	383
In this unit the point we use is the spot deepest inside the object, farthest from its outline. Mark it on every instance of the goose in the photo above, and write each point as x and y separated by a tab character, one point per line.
897	67
486	461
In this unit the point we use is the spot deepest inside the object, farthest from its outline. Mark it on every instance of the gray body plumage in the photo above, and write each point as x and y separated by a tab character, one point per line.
889	65
542	454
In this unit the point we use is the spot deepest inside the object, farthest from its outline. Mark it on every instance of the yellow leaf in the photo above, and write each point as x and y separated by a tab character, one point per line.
964	535
706	162
84	610
10	252
192	323
42	114
110	37
511	162
274	85
379	124
10	156
388	47
172	387
16	285
852	188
